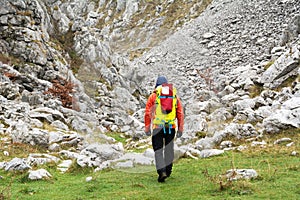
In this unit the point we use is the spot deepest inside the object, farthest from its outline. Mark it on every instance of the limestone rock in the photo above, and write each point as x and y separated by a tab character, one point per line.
39	174
236	174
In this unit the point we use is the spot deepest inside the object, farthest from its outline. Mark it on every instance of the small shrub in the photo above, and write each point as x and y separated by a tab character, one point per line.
255	90
4	59
201	134
25	13
11	76
55	7
136	54
63	90
77	169
48	126
6	125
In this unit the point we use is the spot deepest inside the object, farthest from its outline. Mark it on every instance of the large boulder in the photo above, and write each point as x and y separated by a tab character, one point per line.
286	117
284	67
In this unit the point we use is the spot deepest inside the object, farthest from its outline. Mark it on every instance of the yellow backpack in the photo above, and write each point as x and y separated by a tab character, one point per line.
166	103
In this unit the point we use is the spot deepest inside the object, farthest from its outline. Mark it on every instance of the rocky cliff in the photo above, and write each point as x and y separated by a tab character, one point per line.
72	71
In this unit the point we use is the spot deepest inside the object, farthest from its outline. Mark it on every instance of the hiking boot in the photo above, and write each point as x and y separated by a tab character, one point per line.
169	174
162	176
169	170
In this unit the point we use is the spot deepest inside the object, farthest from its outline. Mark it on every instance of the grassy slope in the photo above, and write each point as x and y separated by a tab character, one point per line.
192	179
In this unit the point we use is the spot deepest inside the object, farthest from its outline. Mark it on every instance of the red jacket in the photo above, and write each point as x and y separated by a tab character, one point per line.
150	113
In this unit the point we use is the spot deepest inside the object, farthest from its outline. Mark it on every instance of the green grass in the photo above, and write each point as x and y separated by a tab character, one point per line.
279	175
118	137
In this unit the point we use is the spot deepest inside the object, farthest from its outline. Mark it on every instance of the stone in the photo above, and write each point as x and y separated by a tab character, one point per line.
236	174
284	67
39	174
5	153
103	151
257	143
194	124
16	164
282	140
208	35
60	125
210	152
226	144
64	165
294	153
88	179
54	147
41	159
125	164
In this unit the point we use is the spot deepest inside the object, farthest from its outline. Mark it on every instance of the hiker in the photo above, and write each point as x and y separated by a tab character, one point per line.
163	109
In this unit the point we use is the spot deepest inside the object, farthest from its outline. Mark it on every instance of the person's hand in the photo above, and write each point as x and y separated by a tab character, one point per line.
148	133
179	134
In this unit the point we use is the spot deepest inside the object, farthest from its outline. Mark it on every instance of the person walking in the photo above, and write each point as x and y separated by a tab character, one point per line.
162	113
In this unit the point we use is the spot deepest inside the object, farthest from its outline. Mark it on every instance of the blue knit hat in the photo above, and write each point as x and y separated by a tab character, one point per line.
160	80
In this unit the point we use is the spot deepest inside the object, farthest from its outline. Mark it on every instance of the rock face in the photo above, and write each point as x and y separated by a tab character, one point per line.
73	70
